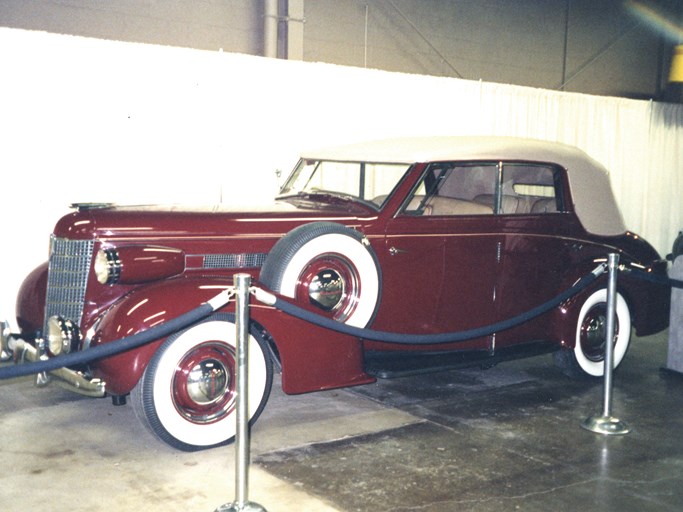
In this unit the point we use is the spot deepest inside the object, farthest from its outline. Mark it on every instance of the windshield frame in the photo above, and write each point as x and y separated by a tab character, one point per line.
299	182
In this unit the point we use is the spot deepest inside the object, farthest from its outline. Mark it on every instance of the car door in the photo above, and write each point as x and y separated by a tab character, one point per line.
535	249
443	245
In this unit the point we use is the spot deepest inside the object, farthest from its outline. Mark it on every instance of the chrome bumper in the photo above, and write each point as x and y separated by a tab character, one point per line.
4	340
20	351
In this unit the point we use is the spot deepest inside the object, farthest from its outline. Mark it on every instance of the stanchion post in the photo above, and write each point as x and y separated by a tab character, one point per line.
242	452
606	423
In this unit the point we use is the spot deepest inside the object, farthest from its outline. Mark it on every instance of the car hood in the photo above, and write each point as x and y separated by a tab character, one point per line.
108	221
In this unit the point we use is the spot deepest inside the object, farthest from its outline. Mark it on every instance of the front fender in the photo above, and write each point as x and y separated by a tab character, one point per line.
30	307
311	357
138	311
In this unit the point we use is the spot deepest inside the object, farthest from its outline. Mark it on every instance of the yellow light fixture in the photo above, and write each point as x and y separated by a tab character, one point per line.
676	72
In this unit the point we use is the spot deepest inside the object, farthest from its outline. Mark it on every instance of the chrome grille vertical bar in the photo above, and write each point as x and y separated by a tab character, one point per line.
68	270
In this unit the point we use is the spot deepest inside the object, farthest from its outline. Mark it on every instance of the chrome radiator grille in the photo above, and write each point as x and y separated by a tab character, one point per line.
68	271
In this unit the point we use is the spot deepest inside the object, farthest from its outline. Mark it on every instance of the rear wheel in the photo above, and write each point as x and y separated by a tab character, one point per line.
588	356
187	394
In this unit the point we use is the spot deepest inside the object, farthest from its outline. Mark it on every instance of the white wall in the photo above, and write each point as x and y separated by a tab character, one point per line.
86	120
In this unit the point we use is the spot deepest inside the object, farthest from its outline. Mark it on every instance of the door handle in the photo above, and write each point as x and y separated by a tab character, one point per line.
394	251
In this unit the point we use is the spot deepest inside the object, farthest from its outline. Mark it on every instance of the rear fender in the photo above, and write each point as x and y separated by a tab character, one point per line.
567	315
565	318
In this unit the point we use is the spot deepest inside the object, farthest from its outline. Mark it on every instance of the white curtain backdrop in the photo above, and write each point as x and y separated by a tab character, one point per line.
91	120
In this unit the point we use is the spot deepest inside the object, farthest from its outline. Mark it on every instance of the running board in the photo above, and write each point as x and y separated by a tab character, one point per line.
394	364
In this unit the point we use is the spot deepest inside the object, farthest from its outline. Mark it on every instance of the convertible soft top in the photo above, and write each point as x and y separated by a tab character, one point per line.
594	201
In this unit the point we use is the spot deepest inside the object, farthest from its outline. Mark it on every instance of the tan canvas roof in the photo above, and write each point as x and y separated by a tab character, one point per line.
594	201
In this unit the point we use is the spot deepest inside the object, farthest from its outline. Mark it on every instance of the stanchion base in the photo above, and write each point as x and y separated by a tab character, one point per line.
236	507
607	425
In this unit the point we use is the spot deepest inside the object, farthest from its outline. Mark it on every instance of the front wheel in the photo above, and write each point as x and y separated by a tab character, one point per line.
187	394
588	356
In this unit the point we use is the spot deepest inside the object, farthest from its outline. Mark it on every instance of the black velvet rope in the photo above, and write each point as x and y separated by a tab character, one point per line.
431	339
109	349
182	321
646	276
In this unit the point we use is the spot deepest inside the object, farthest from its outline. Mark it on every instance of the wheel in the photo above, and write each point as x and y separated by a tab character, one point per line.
587	357
329	265
187	394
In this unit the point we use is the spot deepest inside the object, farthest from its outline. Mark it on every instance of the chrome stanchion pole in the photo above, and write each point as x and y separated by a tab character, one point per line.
606	423
242	503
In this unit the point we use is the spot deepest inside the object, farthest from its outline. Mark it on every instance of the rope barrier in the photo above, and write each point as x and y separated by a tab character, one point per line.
646	276
426	339
204	310
122	344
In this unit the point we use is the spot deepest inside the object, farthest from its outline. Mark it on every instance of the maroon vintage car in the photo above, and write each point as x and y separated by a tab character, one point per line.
412	236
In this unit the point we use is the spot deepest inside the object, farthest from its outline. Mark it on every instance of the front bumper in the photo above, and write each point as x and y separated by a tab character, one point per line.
5	334
20	351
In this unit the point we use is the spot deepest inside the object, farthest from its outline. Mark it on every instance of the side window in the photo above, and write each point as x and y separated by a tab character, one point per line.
455	189
530	189
380	180
487	188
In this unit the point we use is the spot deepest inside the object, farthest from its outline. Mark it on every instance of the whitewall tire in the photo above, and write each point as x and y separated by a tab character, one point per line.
587	356
329	265
187	394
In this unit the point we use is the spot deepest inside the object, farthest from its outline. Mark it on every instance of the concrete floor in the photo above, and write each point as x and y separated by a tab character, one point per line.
508	438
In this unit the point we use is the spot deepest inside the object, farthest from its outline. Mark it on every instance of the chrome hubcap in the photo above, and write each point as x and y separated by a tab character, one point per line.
207	382
204	384
326	289
332	284
594	332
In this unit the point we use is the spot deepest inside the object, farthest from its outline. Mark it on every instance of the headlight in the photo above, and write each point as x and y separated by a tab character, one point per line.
62	335
135	264
107	266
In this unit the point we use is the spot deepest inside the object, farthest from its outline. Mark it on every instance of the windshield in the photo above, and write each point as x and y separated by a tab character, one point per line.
362	181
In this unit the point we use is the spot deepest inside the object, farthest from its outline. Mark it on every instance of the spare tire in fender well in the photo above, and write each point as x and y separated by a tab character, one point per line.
333	265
